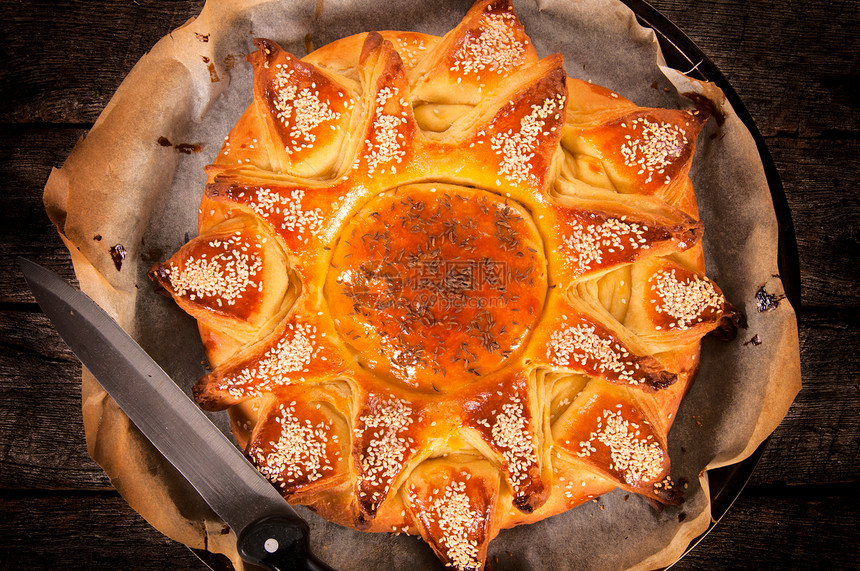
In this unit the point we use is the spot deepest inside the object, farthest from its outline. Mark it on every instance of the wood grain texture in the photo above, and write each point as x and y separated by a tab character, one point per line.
100	532
819	182
768	531
84	531
42	443
64	60
820	178
795	65
817	442
27	155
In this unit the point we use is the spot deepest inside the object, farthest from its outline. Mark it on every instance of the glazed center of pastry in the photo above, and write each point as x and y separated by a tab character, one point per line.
437	285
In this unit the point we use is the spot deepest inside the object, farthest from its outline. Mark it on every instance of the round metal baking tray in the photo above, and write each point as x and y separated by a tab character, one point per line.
682	53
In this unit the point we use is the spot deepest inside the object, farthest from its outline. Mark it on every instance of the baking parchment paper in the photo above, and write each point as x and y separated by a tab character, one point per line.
136	179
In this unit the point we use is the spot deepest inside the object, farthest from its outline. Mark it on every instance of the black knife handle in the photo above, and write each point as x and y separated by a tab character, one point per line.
280	543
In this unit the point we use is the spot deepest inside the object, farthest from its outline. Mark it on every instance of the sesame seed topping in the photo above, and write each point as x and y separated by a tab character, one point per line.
517	147
300	110
387	449
687	300
452	512
299	456
589	242
635	456
295	218
492	47
292	354
654	147
581	344
410	50
225	276
389	145
511	435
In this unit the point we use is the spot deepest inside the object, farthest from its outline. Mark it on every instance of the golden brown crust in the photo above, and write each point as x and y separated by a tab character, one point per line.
446	289
421	301
453	502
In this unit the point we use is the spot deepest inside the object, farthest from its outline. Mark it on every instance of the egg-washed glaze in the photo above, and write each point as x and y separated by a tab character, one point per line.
446	289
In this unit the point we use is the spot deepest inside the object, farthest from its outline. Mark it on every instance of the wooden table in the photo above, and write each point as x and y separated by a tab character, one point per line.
794	64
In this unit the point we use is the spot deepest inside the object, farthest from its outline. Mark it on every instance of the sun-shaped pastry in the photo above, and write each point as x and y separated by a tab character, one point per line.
446	289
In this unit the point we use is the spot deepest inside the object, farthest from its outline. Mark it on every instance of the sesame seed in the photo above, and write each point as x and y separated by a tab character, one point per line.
387	449
510	434
458	522
516	148
388	147
225	276
299	456
636	459
653	146
587	242
492	46
292	354
268	203
685	301
300	110
581	344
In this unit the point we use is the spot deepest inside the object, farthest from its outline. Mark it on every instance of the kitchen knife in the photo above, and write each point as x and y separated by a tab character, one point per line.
269	530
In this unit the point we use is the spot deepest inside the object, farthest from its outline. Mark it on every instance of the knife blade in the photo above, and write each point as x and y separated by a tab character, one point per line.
269	531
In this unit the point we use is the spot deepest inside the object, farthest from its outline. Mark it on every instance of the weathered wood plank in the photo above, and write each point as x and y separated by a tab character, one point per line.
794	64
27	155
817	441
64	60
819	176
102	532
762	531
43	445
96	531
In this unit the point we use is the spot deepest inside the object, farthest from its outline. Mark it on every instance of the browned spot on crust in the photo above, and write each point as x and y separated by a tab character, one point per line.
213	73
188	148
118	254
704	104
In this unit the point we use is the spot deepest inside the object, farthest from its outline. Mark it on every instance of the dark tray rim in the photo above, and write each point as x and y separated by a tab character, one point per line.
727	483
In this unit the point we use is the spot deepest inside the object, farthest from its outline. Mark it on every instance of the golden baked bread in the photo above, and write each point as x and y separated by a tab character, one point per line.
446	289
